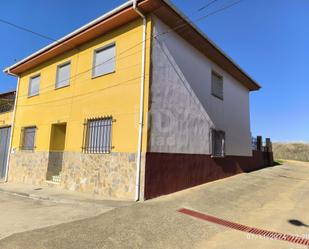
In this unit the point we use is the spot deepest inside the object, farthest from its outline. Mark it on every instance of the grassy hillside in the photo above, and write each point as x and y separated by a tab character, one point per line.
291	151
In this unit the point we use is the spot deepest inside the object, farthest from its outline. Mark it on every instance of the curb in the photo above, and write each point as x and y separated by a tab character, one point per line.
86	202
46	198
31	196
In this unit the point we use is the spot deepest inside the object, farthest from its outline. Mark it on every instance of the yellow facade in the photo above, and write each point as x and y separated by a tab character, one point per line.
116	94
6	119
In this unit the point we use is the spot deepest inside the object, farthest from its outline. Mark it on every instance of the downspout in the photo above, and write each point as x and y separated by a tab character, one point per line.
12	126
141	111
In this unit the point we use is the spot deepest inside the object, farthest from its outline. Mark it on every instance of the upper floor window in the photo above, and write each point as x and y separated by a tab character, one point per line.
63	75
28	138
217	85
218	143
104	60
34	85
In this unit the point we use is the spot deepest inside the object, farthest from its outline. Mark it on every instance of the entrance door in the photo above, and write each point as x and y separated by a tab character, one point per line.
56	149
4	150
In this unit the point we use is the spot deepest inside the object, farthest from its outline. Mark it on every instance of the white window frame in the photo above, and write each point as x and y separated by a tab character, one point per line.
113	44
67	63
29	85
213	93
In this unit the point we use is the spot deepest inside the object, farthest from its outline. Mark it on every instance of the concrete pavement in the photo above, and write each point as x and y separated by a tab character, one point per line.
26	207
58	195
265	199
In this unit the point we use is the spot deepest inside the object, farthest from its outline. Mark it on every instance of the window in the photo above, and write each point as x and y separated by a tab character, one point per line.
34	85
97	135
63	75
104	60
28	138
217	85
218	143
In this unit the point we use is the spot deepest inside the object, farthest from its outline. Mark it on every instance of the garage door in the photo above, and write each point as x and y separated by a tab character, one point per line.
4	149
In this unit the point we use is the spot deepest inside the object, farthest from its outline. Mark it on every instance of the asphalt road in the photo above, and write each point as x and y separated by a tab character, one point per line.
265	199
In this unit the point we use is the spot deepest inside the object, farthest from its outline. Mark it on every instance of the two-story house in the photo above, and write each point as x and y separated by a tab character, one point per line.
135	104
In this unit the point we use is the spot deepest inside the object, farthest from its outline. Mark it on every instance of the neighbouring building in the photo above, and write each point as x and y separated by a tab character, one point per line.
7	100
135	104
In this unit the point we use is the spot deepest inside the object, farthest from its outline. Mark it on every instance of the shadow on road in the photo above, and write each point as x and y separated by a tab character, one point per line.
297	223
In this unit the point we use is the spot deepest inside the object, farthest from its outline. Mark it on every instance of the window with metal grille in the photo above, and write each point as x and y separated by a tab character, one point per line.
218	143
97	135
34	85
104	60
63	75
217	85
28	138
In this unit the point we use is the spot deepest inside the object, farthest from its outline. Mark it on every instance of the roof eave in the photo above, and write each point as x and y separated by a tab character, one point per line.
255	86
246	80
97	20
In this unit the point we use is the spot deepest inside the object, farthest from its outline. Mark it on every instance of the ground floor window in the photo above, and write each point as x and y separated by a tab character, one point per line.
28	138
218	143
97	135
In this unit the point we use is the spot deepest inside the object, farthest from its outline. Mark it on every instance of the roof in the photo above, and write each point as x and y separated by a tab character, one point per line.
125	13
7	94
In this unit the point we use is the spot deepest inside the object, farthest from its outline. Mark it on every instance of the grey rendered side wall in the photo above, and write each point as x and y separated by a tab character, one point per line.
178	121
182	109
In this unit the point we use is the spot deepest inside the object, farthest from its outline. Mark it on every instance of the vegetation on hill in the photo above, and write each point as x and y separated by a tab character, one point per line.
291	151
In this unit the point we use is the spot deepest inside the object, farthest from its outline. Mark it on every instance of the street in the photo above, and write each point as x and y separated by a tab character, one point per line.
266	199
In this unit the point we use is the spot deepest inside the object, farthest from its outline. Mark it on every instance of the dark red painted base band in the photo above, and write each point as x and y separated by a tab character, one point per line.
256	231
166	173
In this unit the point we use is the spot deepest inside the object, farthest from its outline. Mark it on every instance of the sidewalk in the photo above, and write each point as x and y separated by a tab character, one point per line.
26	207
58	195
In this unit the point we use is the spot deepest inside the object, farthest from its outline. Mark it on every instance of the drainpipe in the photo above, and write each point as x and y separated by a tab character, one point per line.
141	111
12	126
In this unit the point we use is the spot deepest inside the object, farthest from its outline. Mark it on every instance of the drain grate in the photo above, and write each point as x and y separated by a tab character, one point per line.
243	228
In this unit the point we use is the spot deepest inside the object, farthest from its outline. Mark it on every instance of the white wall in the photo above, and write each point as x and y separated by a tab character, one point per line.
182	107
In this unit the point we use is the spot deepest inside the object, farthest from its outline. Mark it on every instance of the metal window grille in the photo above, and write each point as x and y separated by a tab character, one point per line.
97	135
28	138
218	143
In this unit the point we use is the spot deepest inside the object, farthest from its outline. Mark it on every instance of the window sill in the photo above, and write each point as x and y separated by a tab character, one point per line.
61	87
52	182
97	76
27	150
213	156
102	153
34	95
221	98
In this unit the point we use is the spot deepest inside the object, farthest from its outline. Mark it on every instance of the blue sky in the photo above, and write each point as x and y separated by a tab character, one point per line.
269	39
